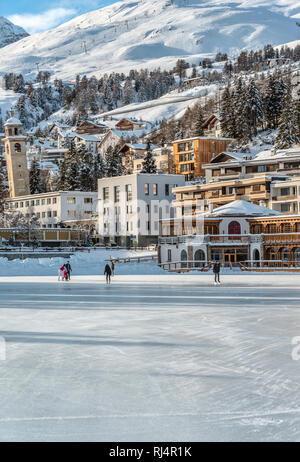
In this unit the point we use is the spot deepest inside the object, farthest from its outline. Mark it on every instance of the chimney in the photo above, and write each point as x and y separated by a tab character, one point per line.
273	151
262	203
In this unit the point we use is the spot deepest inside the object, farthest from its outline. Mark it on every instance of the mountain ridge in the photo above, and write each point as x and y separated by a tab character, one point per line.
10	33
151	33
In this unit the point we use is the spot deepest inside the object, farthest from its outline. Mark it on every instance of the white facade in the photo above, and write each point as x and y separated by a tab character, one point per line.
130	206
285	196
55	207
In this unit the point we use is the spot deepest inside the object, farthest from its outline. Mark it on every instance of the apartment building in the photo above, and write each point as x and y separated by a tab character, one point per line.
130	206
230	165
190	154
285	196
54	208
193	199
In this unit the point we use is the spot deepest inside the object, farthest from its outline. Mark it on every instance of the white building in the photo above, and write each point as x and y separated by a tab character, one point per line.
285	196
130	206
54	208
227	234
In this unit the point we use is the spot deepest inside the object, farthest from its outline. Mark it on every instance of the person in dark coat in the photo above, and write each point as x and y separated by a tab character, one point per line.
68	270
107	273
112	268
216	270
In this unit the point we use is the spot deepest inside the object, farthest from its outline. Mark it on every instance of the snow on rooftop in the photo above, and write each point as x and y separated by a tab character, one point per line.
13	121
243	208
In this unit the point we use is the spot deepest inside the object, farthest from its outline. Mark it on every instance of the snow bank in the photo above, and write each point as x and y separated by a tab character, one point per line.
83	263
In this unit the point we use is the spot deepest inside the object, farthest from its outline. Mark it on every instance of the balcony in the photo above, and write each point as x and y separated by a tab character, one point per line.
282	238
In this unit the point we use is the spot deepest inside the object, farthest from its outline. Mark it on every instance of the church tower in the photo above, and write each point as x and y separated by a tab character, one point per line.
16	161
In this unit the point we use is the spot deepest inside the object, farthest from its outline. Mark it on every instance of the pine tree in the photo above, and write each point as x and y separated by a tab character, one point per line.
149	164
61	178
198	129
113	159
35	178
254	101
227	114
273	99
85	170
287	126
99	171
241	110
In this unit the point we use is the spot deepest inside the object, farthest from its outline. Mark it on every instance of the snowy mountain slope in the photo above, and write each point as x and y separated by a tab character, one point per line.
139	33
9	32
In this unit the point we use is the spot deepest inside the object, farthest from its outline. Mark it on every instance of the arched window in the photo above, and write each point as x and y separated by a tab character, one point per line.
16	131
199	258
17	147
256	255
296	253
234	227
284	254
183	259
271	254
9	132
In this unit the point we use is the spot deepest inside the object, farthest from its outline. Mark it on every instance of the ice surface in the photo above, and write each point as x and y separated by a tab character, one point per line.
165	357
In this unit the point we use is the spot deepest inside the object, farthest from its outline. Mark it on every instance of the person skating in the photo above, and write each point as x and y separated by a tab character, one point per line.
107	273
216	270
60	272
68	269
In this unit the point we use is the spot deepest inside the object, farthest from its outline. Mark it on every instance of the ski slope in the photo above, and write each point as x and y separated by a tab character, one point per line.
150	358
151	33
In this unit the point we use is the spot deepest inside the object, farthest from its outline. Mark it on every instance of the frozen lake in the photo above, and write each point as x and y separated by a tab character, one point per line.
150	358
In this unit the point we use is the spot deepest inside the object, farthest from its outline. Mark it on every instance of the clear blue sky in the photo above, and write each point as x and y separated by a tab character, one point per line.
38	15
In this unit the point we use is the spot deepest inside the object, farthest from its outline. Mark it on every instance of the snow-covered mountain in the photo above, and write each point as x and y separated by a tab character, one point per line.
9	32
139	33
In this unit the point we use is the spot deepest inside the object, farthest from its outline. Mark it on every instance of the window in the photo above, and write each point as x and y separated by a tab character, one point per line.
285	207
55	213
38	215
70	200
21	205
17	147
128	192
37	202
234	227
105	194
88	200
88	212
49	214
71	213
43	214
285	191
256	187
169	255
43	201
155	189
54	200
146	189
27	203
167	189
261	168
32	203
117	193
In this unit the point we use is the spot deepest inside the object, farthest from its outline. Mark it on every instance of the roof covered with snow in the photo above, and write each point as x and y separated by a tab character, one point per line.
244	208
13	121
